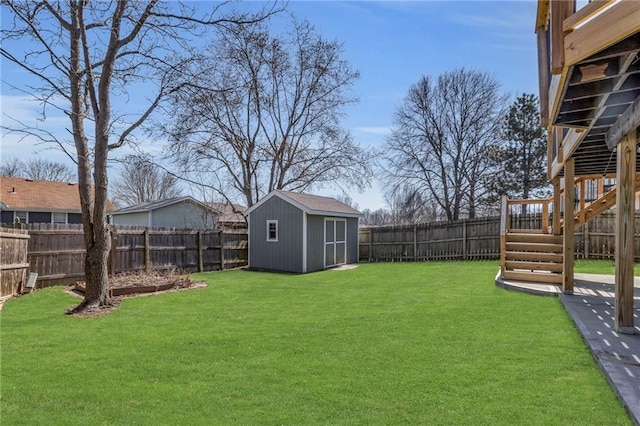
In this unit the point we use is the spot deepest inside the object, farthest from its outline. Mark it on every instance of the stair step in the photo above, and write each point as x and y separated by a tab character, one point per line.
533	256
534	238
534	247
536	277
534	266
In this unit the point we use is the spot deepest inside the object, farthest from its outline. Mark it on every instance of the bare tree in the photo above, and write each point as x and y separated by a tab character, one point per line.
438	146
141	181
265	114
376	217
38	169
11	167
407	206
42	169
86	57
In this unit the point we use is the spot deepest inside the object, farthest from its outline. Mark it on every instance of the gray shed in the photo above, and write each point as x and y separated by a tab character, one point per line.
294	232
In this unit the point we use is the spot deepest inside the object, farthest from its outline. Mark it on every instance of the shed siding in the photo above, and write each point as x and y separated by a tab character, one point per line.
352	240
183	215
140	218
315	243
286	253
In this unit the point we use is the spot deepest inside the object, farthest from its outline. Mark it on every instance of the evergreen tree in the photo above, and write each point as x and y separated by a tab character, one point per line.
522	157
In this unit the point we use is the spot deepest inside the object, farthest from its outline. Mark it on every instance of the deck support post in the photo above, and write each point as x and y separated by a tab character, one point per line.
568	237
625	226
557	229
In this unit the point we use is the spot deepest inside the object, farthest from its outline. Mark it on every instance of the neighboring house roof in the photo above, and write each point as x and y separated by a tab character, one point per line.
229	213
154	205
311	204
40	195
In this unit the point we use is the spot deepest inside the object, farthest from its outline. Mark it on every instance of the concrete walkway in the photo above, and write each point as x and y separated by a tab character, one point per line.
592	309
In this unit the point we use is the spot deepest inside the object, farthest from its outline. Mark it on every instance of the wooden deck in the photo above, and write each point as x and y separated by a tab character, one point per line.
589	75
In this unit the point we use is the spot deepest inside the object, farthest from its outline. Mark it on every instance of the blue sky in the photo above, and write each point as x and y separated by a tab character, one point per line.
392	44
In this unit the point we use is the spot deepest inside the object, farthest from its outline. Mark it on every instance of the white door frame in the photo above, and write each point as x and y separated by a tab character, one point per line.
328	245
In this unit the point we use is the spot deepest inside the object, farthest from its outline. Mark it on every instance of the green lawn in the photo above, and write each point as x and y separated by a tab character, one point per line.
424	343
597	266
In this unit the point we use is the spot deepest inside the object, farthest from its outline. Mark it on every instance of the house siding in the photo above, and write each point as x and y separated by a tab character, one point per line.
183	215
286	253
140	218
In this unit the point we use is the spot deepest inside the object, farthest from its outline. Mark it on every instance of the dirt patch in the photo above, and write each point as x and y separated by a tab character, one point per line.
135	284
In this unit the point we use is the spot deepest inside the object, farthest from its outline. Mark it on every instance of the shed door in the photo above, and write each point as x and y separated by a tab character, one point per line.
335	242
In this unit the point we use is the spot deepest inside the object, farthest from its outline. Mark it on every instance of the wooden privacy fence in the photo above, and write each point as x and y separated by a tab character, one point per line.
597	239
473	239
456	240
57	254
13	261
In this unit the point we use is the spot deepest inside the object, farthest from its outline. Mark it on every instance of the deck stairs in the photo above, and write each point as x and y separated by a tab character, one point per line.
537	255
601	205
533	257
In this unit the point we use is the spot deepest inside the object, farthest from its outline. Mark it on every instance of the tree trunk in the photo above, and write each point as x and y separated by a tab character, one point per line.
96	274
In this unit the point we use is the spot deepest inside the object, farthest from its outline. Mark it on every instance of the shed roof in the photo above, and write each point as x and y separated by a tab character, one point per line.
311	204
40	195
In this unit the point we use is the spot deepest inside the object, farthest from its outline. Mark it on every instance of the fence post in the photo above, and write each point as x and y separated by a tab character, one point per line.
112	253
415	243
464	239
147	251
199	243
370	244
221	251
585	240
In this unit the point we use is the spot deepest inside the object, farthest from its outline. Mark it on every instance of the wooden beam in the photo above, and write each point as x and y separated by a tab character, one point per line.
584	14
543	74
560	10
627	122
625	227
568	239
571	142
542	15
612	26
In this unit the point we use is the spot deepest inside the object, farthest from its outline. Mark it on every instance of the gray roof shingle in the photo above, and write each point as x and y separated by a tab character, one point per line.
318	203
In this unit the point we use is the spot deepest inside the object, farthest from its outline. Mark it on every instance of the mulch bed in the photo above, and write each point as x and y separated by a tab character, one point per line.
137	284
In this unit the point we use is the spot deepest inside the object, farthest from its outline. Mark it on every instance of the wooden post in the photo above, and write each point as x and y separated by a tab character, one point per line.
199	243
582	202
557	229
545	217
568	238
600	187
464	239
560	10
112	254
504	219
221	235
625	226
147	251
370	244
415	244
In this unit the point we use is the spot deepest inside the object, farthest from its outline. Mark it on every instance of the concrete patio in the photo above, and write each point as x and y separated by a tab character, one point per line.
591	308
